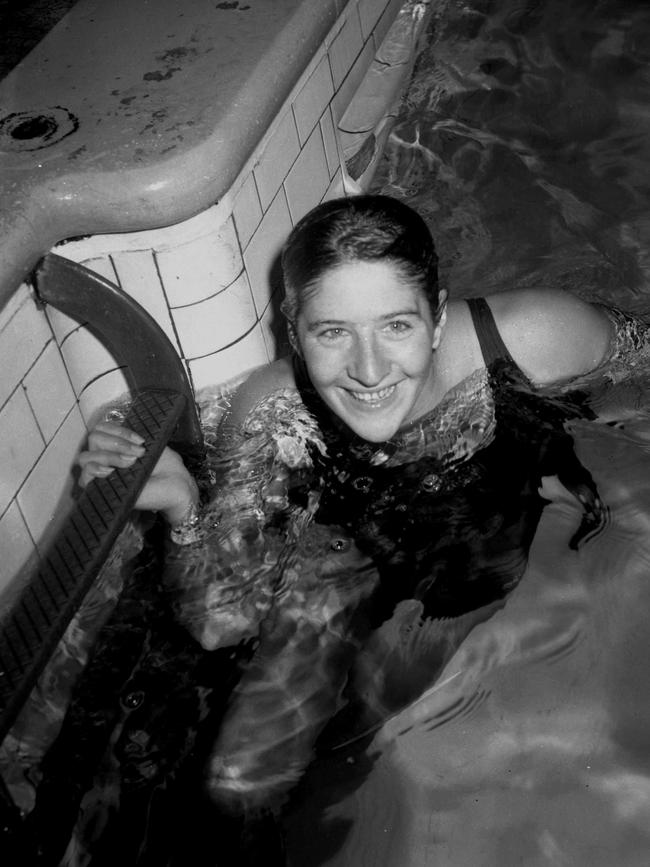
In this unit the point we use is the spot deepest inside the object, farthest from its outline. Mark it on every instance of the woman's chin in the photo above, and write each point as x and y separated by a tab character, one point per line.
374	430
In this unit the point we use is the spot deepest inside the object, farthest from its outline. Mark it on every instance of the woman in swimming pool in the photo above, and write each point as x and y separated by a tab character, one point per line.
416	430
390	372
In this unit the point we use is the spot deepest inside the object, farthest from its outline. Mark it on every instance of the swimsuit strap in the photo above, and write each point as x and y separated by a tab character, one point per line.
492	346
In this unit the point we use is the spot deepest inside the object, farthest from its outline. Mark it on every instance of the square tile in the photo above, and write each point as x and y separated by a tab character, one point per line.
276	160
21	444
217	322
312	100
85	358
261	257
230	363
47	494
345	93
370	11
247	211
101	265
60	323
49	391
200	268
16	545
24	332
345	48
139	278
330	142
308	178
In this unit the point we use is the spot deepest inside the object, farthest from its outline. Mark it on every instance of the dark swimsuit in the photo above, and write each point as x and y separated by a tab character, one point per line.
492	346
449	506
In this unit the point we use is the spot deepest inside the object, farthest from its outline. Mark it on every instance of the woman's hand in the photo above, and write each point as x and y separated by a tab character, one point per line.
170	489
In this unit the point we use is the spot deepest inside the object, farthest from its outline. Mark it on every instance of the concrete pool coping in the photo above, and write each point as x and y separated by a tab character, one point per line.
137	115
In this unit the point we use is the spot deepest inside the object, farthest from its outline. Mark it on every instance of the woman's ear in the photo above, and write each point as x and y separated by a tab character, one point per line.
440	318
293	337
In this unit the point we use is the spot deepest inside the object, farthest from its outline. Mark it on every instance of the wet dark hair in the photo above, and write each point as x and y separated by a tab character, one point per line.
364	228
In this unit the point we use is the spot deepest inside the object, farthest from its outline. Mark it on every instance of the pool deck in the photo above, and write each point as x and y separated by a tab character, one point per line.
137	114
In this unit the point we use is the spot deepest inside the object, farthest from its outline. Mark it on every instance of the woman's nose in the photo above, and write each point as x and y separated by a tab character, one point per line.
369	363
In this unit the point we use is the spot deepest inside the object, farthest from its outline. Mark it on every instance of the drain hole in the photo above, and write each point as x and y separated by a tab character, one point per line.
35	127
33	130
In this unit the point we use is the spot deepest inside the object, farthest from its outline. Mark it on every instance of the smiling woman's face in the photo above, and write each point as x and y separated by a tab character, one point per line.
367	338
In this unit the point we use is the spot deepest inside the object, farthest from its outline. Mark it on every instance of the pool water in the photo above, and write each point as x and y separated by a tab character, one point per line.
523	140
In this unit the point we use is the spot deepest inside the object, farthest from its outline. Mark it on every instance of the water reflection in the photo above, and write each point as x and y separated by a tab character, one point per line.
524	142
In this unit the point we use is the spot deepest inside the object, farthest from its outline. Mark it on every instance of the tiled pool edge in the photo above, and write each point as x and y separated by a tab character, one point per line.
119	120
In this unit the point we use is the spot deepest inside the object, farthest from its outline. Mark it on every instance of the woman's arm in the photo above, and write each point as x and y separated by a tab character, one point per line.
553	335
170	489
223	581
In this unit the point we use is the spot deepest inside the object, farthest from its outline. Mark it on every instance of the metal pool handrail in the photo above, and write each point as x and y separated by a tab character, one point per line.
29	632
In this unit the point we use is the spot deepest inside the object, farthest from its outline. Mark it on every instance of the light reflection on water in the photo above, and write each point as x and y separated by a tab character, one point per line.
524	142
532	747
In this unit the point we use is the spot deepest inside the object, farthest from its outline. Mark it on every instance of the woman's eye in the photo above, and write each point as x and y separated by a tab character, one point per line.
398	326
331	333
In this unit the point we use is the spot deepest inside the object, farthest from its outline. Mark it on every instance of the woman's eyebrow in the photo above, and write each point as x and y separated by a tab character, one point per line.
337	323
320	323
395	314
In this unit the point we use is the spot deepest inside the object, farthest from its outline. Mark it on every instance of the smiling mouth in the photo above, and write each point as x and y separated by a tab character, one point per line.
372	397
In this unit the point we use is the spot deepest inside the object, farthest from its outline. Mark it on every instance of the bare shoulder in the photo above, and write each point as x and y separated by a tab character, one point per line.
261	382
551	334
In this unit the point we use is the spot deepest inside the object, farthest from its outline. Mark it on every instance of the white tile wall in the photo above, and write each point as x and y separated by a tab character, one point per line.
206	281
40	512
15	543
352	80
85	358
21	444
102	265
60	323
217	322
313	99
345	48
137	270
49	391
308	177
201	267
24	331
247	211
330	142
369	14
261	254
276	159
229	363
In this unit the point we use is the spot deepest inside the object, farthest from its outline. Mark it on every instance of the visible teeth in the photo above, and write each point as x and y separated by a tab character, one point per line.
371	396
